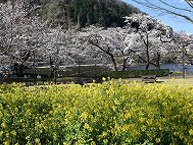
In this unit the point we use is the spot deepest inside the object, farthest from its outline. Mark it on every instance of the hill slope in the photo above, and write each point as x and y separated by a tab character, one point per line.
81	13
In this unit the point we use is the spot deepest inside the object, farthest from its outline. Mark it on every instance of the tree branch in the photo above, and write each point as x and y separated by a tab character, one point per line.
150	5
4	52
177	8
107	52
138	55
189	2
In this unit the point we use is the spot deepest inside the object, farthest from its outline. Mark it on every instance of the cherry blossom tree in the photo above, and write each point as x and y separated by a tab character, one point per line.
88	54
20	35
147	38
183	41
111	43
58	49
27	40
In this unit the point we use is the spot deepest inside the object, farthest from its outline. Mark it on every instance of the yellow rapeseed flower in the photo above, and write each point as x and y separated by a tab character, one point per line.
13	133
173	79
158	140
122	110
104	79
87	126
6	143
92	143
104	134
37	140
84	115
191	132
3	125
105	141
141	119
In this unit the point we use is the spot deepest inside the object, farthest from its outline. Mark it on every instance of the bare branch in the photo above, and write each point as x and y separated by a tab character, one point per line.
4	51
174	7
139	56
151	5
189	2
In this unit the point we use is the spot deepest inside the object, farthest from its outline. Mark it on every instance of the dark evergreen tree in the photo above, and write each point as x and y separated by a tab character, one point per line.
106	13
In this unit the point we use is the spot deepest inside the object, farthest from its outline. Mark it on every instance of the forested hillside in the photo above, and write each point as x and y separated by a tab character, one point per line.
81	13
106	13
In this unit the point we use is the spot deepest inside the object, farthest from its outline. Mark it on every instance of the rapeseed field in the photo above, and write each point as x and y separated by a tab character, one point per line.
115	113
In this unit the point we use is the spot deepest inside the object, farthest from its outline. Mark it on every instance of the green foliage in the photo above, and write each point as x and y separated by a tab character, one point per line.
106	13
135	73
177	73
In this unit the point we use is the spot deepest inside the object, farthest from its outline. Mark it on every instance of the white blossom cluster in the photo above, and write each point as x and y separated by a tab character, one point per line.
28	40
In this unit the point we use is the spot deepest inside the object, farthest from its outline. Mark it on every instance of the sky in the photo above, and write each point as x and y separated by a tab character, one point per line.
176	23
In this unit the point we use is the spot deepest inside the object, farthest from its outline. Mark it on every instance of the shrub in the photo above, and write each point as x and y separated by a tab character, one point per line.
135	73
108	113
177	73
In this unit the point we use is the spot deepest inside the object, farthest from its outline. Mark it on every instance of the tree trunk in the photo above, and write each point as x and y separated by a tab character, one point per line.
21	68
158	60
79	25
124	64
68	17
147	52
35	72
51	67
114	63
55	76
35	76
108	53
147	66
